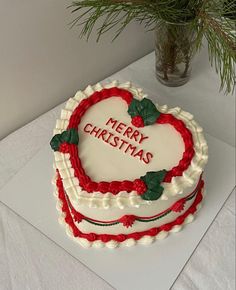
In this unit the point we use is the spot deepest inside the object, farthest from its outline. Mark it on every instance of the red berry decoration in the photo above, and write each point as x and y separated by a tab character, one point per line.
137	121
140	186
64	147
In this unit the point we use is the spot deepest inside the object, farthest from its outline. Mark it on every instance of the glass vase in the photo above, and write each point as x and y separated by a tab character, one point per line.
174	51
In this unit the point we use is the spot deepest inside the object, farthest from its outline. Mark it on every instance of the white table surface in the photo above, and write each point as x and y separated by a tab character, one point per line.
28	260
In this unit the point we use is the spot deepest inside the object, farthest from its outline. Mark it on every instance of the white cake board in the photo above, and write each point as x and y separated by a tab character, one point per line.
156	266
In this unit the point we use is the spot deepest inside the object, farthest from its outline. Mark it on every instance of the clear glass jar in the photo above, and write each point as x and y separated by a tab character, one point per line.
174	51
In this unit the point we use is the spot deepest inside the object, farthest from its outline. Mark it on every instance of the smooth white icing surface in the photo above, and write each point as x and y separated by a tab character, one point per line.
179	185
102	161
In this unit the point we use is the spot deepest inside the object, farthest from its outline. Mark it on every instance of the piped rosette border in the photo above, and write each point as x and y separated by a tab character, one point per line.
81	188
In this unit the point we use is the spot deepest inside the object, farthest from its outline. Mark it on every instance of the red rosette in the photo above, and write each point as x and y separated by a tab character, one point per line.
127	220
178	206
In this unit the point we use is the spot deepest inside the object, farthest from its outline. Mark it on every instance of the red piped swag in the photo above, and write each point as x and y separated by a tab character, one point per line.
127	221
116	186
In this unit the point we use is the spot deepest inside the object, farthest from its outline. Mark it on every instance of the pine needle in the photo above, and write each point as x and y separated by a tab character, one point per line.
213	19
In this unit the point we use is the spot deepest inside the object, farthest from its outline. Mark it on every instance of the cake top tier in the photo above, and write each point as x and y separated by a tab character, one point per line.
114	147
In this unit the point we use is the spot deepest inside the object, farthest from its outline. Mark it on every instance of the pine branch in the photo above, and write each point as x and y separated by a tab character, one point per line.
214	19
139	10
222	48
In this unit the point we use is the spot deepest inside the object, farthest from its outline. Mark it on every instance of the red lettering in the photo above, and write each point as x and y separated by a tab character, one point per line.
85	128
123	142
128	131
132	148
116	139
112	121
95	130
139	154
102	134
147	157
109	137
135	135
142	137
120	127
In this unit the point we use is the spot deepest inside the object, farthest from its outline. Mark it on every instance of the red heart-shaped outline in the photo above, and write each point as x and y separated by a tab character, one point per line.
116	186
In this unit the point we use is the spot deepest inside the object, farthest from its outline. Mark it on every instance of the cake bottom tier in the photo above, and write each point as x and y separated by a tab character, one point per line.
104	233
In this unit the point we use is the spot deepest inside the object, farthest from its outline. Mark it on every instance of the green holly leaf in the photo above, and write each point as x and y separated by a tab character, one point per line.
55	142
150	180
153	179
134	108
153	194
70	136
144	108
149	112
160	175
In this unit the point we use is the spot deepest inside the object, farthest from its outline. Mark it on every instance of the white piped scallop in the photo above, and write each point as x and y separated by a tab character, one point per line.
72	193
129	243
189	219
125	85
89	90
98	244
61	124
146	240
176	229
162	235
84	243
57	131
79	96
98	87
71	104
163	109
112	244
112	84
65	114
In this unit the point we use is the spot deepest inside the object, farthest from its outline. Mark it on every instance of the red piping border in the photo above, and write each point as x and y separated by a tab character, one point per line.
91	237
180	201
117	186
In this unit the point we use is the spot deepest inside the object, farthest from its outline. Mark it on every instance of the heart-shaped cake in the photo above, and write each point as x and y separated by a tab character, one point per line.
127	170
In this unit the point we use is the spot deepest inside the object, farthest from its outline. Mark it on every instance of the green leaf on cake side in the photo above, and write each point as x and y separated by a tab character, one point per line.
153	180
153	195
55	142
149	112
134	108
69	136
144	108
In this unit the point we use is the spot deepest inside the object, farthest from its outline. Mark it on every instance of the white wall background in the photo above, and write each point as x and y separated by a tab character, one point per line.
43	62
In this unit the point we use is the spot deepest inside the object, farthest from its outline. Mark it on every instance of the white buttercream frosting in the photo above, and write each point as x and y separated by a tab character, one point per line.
178	185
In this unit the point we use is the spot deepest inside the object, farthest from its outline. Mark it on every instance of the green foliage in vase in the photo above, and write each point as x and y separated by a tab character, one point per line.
213	19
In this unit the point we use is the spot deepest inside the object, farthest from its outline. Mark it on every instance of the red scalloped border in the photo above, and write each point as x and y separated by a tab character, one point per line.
91	237
117	186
